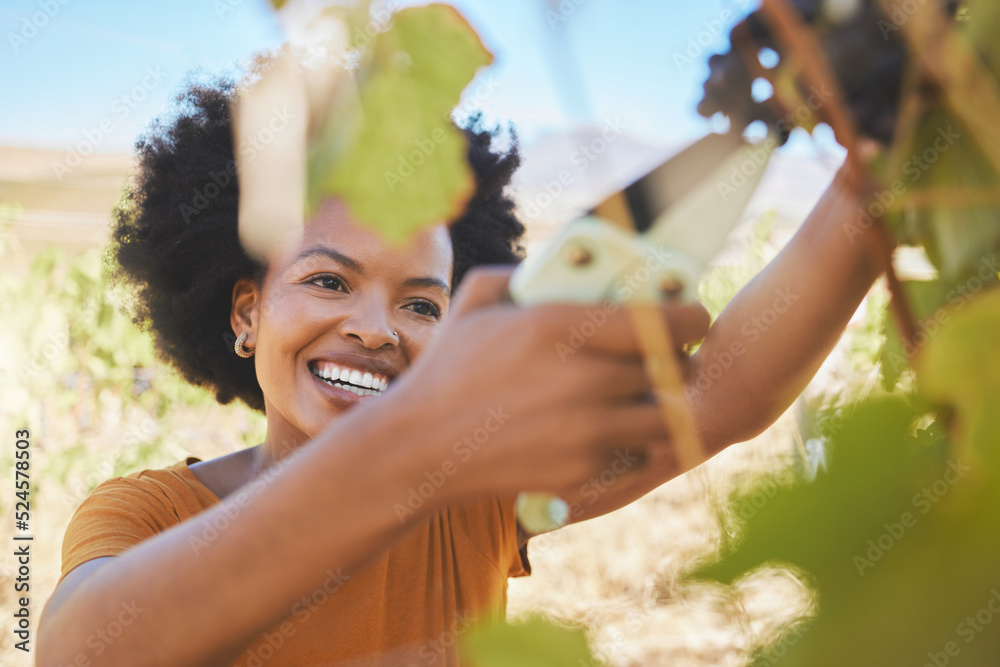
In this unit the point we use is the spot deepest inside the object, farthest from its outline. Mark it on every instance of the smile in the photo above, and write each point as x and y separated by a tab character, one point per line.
357	382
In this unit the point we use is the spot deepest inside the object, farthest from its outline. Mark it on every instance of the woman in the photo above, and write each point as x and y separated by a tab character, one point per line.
375	517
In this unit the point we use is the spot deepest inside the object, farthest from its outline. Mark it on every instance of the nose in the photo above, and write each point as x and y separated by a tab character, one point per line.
370	325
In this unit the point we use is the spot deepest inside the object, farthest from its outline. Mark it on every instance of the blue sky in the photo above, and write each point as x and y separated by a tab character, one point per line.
93	65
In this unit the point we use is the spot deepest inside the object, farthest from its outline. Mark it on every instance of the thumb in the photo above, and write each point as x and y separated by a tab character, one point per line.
482	286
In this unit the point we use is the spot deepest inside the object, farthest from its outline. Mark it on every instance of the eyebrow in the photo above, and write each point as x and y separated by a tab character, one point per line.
330	253
432	283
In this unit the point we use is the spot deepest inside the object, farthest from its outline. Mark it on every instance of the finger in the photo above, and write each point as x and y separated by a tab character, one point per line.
624	473
590	441
604	378
631	424
688	324
610	329
481	286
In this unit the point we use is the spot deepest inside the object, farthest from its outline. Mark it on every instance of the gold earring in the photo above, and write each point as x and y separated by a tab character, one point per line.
239	349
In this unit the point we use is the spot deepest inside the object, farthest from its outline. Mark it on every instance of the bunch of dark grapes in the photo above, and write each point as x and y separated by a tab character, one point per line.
864	47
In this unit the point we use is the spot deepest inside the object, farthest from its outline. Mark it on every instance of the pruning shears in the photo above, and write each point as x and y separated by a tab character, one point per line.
687	206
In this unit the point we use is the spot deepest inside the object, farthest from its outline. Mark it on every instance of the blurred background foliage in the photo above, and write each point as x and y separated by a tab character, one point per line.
85	380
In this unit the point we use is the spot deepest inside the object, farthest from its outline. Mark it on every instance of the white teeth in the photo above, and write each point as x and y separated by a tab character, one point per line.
356	390
335	375
359	391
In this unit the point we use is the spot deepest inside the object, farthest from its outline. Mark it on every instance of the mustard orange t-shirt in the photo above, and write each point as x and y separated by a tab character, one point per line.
407	608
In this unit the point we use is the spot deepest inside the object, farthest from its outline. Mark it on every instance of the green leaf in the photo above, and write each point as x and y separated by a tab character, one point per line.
898	538
805	524
960	368
401	165
932	302
980	28
536	642
945	157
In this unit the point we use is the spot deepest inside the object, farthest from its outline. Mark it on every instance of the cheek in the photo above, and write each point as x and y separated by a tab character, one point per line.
283	329
289	315
419	338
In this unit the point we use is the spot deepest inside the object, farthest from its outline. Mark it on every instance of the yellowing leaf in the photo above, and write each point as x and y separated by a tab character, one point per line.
401	166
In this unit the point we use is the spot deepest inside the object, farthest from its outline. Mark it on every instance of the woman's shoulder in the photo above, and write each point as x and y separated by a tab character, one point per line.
176	482
162	496
123	511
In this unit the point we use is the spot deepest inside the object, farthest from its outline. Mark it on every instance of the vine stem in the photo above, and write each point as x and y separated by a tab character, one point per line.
659	357
803	45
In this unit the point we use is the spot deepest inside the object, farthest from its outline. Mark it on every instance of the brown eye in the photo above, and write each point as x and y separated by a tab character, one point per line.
425	308
328	282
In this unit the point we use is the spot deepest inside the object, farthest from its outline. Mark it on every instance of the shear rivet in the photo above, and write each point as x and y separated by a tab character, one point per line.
671	288
578	256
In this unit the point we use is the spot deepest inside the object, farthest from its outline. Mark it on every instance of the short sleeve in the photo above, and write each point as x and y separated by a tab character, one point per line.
118	514
489	523
517	556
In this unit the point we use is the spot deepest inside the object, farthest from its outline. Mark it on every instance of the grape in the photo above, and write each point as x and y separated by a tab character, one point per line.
863	47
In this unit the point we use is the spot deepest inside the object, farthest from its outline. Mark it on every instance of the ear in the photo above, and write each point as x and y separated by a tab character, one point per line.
245	312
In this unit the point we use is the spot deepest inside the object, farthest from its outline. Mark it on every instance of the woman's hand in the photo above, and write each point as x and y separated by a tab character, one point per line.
535	398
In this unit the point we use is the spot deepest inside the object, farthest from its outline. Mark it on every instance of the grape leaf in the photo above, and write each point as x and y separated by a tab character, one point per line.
980	29
946	157
837	502
899	536
899	539
400	166
536	642
960	368
927	298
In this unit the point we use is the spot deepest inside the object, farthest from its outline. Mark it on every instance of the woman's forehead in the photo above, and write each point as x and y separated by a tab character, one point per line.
426	251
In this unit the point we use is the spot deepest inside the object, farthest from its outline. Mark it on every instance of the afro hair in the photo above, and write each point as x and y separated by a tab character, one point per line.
176	252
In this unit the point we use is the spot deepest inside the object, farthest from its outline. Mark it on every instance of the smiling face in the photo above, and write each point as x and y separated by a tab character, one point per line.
340	303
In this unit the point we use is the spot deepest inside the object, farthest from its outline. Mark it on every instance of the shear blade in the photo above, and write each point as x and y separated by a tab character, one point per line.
691	202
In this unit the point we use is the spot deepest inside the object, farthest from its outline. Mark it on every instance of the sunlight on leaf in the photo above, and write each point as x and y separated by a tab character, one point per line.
402	167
